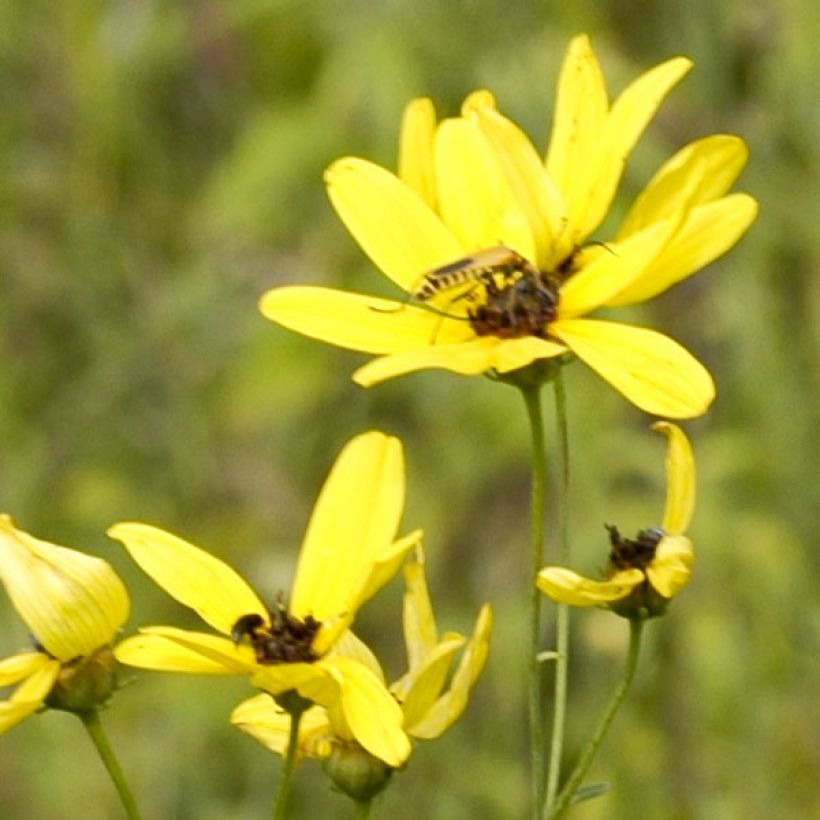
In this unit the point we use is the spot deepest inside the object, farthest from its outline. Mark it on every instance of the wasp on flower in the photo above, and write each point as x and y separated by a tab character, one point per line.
476	208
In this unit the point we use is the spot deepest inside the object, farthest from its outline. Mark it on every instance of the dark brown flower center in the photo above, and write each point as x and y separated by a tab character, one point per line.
633	554
286	639
520	304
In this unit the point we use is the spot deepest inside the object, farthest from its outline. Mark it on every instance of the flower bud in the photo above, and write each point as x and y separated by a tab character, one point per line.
356	772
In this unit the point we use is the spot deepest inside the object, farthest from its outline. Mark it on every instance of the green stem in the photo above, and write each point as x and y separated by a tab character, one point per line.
363	809
532	399
286	778
91	721
580	770
562	611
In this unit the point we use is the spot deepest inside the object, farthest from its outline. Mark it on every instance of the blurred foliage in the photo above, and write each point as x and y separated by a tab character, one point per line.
161	168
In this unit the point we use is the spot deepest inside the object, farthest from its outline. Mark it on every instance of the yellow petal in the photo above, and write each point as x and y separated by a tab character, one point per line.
626	121
567	587
73	603
190	575
537	197
449	707
670	569
393	225
311	680
359	322
418	690
577	130
476	100
218	656
355	518
614	269
418	127
17	667
716	161
680	479
468	358
29	695
648	368
350	646
374	717
420	632
474	198
262	719
707	232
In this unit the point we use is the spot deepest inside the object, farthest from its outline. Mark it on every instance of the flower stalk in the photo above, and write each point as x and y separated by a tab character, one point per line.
579	772
91	721
286	778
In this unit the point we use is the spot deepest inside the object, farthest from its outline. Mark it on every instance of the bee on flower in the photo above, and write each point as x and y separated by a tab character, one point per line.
492	242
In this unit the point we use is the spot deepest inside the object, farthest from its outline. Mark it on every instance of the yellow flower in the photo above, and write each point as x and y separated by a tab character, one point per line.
349	552
488	240
73	604
428	710
644	574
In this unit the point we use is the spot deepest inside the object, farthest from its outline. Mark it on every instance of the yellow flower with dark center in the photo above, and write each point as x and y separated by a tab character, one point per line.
647	572
488	239
73	604
349	553
429	707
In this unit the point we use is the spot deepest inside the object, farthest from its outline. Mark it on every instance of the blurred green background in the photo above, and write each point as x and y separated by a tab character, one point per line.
161	168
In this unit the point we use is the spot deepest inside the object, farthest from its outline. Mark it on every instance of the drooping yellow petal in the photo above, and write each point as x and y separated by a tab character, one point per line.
374	717
393	225
670	570
567	587
29	695
475	199
17	667
420	632
707	232
614	269
359	322
73	603
449	707
577	130
148	651
195	578
468	358
680	479
355	518
655	373
538	198
350	646
418	126
268	723
716	161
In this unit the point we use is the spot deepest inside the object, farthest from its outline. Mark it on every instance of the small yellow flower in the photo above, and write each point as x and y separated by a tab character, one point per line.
73	604
429	710
473	189
644	574
349	552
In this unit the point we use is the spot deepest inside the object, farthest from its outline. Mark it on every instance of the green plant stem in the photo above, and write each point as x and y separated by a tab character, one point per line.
579	772
363	809
286	778
532	399
91	721
562	611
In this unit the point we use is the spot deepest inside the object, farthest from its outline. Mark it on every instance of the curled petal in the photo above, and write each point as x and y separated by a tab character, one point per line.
567	587
418	126
214	590
648	368
30	694
358	322
468	358
72	602
393	225
670	569
680	479
420	632
18	667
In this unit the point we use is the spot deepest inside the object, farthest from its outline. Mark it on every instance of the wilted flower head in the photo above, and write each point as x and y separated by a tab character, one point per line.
492	241
644	573
73	604
349	552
